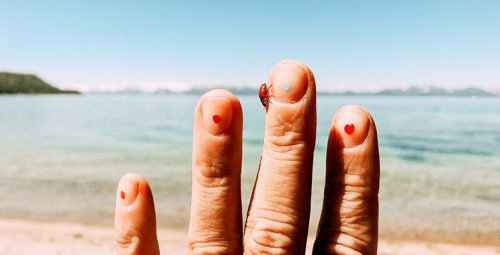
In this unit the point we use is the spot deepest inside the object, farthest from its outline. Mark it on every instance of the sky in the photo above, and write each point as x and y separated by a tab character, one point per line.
349	45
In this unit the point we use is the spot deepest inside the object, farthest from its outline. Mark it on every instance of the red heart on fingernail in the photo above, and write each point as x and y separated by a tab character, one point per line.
216	119
349	128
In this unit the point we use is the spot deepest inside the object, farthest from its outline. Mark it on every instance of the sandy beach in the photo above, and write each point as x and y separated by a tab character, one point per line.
29	237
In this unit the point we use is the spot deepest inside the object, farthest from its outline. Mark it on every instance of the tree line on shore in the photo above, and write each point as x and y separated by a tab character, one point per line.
14	83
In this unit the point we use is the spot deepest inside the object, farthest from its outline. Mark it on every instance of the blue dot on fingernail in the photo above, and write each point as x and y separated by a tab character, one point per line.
286	86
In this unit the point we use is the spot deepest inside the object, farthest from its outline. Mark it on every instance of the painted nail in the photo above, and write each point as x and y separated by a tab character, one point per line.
128	189
217	113
292	78
352	124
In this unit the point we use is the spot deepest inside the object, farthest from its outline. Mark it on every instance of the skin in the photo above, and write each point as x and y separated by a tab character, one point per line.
278	216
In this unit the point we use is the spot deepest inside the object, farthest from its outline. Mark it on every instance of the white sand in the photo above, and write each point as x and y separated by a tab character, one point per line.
27	237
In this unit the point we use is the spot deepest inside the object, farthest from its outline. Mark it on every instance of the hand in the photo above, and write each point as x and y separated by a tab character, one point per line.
278	215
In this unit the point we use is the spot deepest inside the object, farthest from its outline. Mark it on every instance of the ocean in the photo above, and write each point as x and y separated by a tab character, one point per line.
62	156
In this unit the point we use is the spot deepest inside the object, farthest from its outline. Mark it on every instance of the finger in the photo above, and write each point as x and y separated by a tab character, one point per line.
278	215
349	220
135	219
215	224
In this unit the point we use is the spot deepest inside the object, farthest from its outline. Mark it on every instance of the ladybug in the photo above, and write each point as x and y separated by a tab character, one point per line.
264	94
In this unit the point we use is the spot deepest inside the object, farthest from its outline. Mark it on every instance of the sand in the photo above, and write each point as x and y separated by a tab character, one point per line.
29	237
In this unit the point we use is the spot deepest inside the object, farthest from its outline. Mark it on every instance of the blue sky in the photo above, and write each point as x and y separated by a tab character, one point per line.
359	45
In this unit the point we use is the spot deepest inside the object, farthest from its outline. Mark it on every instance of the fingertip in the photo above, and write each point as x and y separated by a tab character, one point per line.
289	80
292	101
220	111
219	93
217	114
133	195
351	125
128	188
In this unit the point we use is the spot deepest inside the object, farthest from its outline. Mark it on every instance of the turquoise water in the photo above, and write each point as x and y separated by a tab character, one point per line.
61	158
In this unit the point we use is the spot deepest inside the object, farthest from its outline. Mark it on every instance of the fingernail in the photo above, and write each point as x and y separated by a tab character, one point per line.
217	114
352	125
127	191
289	79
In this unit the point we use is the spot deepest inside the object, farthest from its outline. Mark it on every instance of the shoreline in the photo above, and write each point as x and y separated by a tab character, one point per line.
448	230
31	237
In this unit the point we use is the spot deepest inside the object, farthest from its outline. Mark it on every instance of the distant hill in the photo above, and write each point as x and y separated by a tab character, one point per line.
13	83
411	91
434	91
425	91
419	91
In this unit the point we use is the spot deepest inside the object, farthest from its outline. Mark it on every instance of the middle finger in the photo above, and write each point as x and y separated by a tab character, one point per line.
278	215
